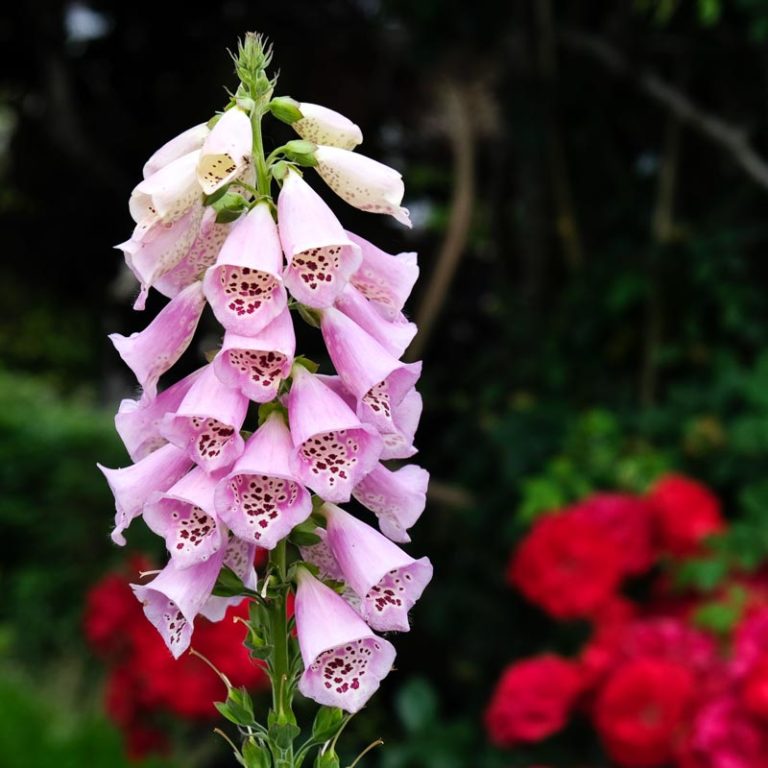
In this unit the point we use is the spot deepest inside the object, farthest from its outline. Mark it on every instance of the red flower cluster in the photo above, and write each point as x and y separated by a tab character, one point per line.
658	689
145	683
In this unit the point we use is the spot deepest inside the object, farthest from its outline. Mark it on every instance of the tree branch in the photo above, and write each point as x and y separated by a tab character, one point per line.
728	136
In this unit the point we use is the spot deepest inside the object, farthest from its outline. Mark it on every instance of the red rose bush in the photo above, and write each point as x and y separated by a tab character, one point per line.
679	678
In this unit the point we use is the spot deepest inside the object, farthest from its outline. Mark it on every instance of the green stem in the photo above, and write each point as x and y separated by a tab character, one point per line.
262	174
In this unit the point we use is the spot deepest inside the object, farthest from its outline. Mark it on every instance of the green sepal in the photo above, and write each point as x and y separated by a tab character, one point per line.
280	170
267	409
255	756
327	759
305	362
303	535
327	722
299	147
296	564
238	708
215	196
317	505
229	207
309	316
308	160
283	734
229	584
285	109
337	586
215	119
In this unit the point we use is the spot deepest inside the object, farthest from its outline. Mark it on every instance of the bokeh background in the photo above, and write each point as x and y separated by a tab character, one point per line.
588	184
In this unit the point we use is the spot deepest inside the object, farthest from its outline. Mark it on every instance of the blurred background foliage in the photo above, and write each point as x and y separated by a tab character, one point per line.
588	183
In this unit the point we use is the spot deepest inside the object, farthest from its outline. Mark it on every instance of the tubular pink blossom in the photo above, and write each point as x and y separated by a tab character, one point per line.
320	256
168	194
133	485
384	279
405	418
226	152
186	142
245	286
333	450
175	596
378	380
137	421
151	352
185	518
208	421
362	182
152	253
322	558
260	499
344	661
256	365
394	335
326	126
238	556
397	498
387	580
201	254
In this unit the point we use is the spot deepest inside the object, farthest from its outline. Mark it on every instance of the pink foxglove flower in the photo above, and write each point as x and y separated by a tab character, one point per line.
184	516
201	255
186	142
175	596
245	286
153	252
333	449
137	421
378	380
321	258
167	194
385	280
151	352
238	557
344	661
387	580
207	422
132	486
256	365
261	500
405	419
394	335
326	126
362	182
397	498
226	152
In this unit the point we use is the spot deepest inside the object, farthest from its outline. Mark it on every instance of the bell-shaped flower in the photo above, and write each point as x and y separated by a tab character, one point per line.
326	126
333	449
394	335
245	288
186	142
151	352
378	380
207	422
320	256
132	486
184	516
167	194
260	499
152	253
176	596
201	254
256	365
384	279
405	419
226	152
344	661
137	421
362	182
238	557
322	558
387	580
396	498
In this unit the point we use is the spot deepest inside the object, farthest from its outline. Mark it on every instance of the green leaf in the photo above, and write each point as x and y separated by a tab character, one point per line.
255	756
705	575
228	584
328	759
303	535
238	708
283	734
327	722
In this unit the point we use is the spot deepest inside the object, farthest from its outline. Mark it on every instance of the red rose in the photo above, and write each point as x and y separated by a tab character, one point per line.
725	736
532	700
642	711
566	565
628	521
754	692
686	513
604	648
